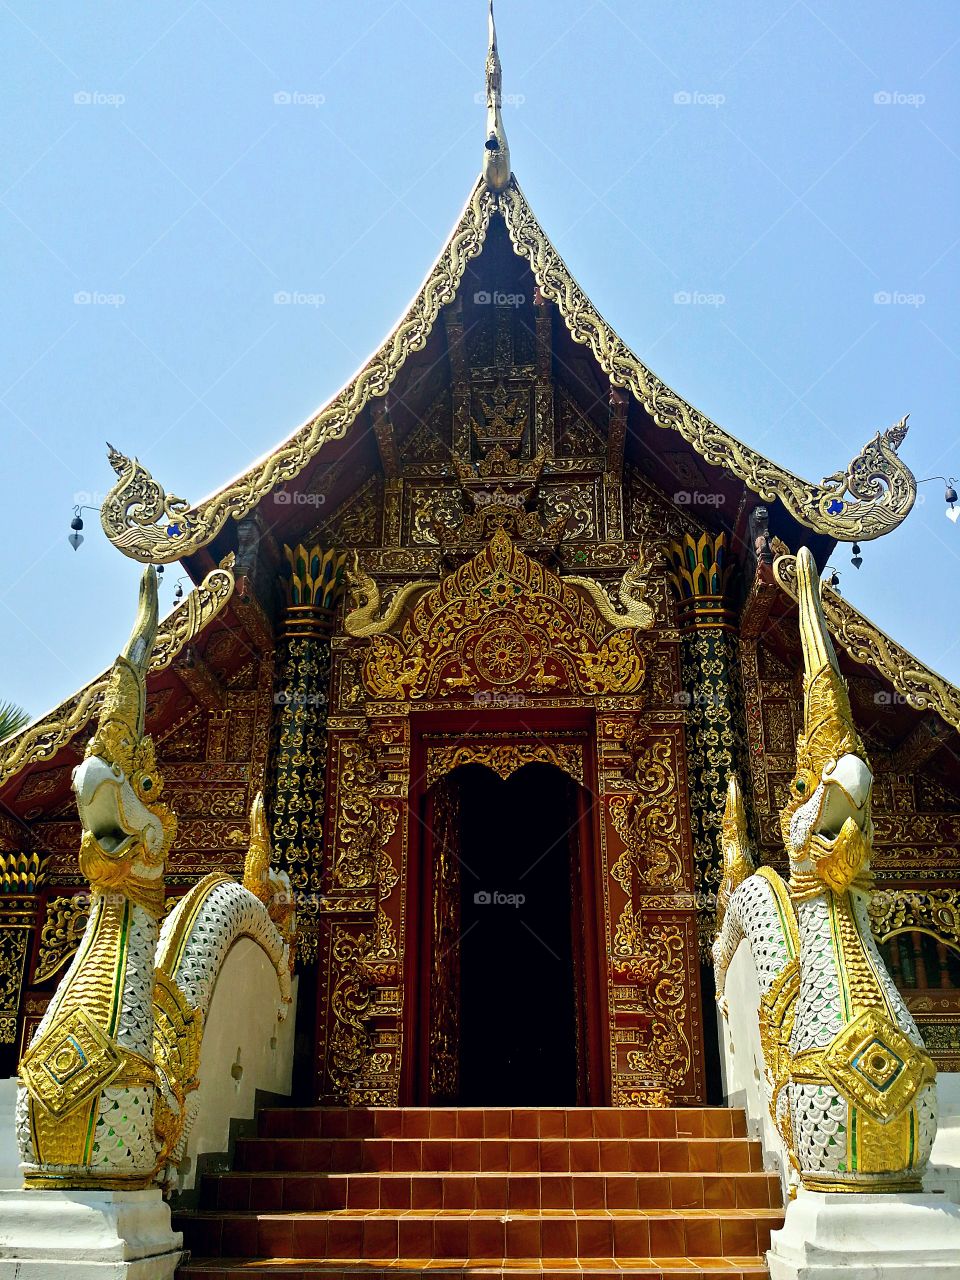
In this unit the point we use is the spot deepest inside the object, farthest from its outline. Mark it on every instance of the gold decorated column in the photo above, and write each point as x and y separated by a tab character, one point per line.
700	569
312	582
20	877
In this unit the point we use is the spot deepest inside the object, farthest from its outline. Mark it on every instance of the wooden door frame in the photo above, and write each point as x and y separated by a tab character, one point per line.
538	724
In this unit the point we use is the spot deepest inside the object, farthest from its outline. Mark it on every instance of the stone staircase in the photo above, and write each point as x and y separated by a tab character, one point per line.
393	1192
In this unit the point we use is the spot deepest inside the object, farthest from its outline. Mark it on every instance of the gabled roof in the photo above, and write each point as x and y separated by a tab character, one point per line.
864	500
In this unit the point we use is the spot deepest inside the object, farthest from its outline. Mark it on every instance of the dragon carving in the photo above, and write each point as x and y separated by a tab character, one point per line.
108	1084
850	1086
364	618
630	597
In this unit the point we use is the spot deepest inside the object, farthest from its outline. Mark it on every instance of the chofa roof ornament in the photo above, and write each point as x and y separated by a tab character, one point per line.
496	150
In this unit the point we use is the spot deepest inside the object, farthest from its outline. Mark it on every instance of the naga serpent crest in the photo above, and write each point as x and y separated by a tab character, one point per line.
107	1092
849	1082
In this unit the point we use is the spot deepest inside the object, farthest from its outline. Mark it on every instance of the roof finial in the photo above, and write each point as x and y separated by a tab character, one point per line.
496	155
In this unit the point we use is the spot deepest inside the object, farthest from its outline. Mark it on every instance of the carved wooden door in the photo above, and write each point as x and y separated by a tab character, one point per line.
442	839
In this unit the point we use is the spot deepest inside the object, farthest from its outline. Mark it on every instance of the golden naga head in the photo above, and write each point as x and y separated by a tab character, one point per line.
826	823
127	834
735	844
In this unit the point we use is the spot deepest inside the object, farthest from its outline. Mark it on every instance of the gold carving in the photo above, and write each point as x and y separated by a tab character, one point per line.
656	973
868	499
70	1064
20	872
365	618
315	575
60	935
933	911
151	526
505	758
506	620
872	1064
648	822
364	821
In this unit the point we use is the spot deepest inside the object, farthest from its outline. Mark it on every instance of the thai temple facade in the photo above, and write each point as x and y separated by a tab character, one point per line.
505	706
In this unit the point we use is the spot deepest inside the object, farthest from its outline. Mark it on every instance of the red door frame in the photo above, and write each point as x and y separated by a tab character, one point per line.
544	723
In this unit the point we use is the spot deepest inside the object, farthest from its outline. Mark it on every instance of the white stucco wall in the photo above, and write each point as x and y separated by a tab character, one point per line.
9	1156
244	1049
741	1059
944	1174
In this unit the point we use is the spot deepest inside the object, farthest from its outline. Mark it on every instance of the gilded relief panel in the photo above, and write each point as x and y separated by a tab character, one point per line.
653	997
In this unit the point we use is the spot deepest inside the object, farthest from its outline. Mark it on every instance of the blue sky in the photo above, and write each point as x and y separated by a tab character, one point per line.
793	160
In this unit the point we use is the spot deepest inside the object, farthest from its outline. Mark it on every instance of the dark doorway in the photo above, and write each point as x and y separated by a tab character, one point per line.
520	1016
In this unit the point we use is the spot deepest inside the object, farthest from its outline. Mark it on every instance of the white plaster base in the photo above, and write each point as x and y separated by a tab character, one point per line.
87	1235
867	1237
741	1058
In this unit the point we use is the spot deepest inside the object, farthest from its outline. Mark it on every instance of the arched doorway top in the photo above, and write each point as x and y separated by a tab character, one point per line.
504	757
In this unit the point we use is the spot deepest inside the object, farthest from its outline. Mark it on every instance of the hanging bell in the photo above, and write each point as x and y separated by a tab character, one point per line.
76	537
856	559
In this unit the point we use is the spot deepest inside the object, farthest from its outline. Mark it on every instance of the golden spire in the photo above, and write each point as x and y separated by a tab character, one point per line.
496	154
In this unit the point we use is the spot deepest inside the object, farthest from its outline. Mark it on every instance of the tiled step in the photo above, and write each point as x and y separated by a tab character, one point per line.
499	1155
518	1122
451	1234
306	1192
467	1269
532	1192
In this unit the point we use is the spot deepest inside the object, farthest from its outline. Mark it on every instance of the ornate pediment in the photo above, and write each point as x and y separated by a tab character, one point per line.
504	621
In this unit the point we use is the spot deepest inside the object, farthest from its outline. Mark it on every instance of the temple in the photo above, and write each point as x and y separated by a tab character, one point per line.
491	633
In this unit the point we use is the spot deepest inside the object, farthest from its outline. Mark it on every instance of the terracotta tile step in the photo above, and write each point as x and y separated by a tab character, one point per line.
498	1155
463	1269
518	1122
306	1192
598	1234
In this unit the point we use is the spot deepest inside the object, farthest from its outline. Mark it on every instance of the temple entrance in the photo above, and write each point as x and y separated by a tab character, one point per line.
505	1016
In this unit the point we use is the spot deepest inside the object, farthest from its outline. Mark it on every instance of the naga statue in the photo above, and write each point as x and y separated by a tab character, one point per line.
850	1086
107	1090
